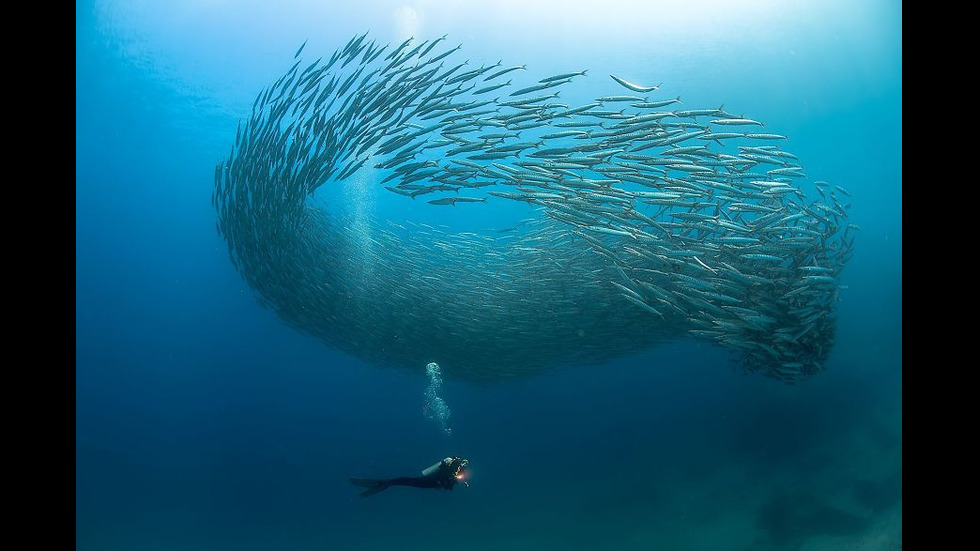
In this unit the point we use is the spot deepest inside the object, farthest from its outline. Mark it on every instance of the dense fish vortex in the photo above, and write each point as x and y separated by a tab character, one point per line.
652	222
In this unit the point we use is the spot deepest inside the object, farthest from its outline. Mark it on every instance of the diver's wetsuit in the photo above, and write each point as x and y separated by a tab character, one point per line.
445	477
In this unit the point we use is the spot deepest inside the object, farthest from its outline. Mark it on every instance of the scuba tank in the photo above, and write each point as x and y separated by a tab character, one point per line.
431	470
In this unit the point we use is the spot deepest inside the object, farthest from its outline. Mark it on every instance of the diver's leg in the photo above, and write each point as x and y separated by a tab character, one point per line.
374	485
414	481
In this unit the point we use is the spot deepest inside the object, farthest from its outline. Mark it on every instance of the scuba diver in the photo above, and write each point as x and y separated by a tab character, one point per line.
444	474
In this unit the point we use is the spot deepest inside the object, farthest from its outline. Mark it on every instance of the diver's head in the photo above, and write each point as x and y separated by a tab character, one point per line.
458	466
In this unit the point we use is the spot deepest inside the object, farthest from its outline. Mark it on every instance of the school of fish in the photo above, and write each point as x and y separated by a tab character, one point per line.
652	222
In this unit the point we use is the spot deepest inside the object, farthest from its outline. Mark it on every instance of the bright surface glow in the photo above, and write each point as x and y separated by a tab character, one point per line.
408	23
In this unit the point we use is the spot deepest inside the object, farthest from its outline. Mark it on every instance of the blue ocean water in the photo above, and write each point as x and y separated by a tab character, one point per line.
203	422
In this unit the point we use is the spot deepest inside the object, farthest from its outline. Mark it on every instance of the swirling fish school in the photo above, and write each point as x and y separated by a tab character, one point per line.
649	223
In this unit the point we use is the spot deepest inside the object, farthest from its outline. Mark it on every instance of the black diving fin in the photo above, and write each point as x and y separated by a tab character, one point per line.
373	485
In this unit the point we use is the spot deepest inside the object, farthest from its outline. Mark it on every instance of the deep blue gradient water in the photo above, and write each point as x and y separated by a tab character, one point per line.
202	422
